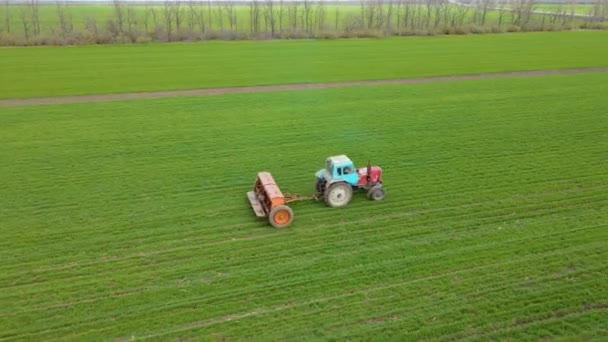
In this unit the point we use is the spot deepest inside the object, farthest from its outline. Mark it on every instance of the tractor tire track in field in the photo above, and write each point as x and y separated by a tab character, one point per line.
282	87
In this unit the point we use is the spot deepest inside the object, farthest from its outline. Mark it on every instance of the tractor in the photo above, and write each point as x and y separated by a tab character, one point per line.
336	182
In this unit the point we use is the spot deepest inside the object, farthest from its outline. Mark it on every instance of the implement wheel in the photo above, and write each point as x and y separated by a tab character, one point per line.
281	216
338	195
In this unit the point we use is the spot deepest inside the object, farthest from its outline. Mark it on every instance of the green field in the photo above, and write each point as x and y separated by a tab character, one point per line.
51	71
129	219
578	8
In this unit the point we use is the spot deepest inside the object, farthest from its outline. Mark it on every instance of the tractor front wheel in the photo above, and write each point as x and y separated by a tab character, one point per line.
281	216
338	194
376	193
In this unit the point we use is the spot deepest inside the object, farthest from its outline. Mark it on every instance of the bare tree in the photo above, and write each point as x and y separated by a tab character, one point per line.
64	20
147	15
408	15
201	17
369	12
131	19
399	16
119	13
389	16
178	15
231	14
192	17
321	15
337	18
209	15
461	13
363	6
379	9
418	17
281	12
33	9
156	16
485	5
90	24
447	11
30	19
25	22
292	14
501	12
269	19
522	11
7	16
560	14
219	14
168	18
254	16
600	10
36	16
572	4
307	16
438	12
429	11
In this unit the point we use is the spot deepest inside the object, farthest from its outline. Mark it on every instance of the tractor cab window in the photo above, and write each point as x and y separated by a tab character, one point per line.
329	167
348	170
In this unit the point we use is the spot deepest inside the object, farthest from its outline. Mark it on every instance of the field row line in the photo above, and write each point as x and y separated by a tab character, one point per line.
283	87
386	263
398	303
494	283
367	290
416	194
480	217
363	291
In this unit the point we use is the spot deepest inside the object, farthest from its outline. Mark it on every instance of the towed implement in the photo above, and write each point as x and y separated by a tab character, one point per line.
267	200
335	184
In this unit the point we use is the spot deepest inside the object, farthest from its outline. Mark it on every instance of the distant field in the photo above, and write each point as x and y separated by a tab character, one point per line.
129	219
51	71
578	8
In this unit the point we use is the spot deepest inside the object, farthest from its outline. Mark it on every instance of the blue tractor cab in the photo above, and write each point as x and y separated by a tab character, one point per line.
339	169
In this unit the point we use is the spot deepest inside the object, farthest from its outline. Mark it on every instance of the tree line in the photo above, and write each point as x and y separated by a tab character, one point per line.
189	20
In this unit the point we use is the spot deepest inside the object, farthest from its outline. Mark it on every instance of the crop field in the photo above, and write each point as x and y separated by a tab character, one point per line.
129	220
53	71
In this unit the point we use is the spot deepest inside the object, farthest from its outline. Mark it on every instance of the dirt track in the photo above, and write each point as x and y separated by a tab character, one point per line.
254	89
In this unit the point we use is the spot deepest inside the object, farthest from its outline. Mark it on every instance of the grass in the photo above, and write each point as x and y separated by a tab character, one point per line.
129	219
53	71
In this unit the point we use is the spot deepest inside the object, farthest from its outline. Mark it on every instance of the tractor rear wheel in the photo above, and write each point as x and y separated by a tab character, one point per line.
376	193
338	194
281	216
